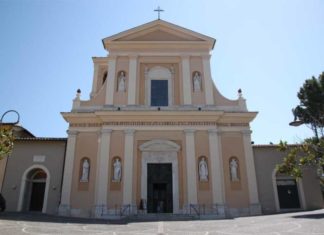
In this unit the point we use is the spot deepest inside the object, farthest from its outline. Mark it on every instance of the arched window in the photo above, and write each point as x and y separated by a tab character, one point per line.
159	86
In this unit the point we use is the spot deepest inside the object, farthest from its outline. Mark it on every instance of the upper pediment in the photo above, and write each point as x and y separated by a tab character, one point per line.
158	31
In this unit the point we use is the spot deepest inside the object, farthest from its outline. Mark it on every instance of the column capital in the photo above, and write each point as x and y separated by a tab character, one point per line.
246	132
133	56
214	131
112	57
72	133
185	56
206	56
129	131
105	131
189	131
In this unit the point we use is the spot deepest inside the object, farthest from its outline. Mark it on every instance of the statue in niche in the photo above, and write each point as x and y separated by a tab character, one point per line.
197	82
203	170
117	171
85	171
233	170
122	82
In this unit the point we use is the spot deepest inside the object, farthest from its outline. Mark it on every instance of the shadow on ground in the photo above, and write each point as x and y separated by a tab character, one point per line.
309	216
39	217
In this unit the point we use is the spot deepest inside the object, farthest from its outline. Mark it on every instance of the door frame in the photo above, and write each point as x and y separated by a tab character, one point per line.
300	190
23	186
161	151
152	183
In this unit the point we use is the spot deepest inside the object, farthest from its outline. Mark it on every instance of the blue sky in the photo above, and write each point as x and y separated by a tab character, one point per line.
266	48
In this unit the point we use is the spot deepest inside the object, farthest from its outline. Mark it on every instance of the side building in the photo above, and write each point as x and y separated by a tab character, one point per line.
31	177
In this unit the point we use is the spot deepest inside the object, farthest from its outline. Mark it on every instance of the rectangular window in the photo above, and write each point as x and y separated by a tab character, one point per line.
159	93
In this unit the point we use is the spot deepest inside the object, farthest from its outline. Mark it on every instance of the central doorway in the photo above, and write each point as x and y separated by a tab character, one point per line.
159	188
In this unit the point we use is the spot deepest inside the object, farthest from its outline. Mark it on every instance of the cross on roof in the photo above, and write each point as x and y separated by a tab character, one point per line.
158	9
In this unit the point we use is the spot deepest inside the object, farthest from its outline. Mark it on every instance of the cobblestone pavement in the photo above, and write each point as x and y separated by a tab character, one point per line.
308	223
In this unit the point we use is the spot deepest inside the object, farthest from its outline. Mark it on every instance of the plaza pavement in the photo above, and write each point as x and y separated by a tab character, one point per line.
300	223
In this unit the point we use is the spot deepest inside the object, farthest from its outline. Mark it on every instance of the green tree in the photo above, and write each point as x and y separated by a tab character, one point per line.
310	112
6	141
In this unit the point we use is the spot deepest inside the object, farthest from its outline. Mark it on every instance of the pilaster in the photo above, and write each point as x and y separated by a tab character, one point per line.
132	80
101	186
110	89
217	172
255	207
208	80
128	167
94	80
64	208
186	80
191	166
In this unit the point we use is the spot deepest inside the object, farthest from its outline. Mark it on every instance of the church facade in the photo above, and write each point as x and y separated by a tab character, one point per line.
157	132
156	136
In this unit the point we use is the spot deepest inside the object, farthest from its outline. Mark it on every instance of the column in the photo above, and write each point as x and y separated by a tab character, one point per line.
101	186
217	173
95	80
208	81
110	85
255	207
186	80
132	80
191	166
64	208
128	167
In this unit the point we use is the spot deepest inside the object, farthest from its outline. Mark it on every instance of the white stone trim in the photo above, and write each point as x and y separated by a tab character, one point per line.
68	173
23	186
102	174
127	170
300	188
209	91
132	80
110	82
161	151
158	73
186	80
191	166
161	128
164	108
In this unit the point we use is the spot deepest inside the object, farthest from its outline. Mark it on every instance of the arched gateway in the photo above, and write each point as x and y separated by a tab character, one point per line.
34	189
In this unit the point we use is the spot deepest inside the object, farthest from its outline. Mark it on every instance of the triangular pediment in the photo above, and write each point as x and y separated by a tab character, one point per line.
158	31
159	34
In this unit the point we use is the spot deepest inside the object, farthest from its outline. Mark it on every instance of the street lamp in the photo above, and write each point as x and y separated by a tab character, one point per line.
9	123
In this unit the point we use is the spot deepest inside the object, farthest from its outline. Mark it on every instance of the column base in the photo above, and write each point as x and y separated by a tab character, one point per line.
255	209
99	211
64	210
221	210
